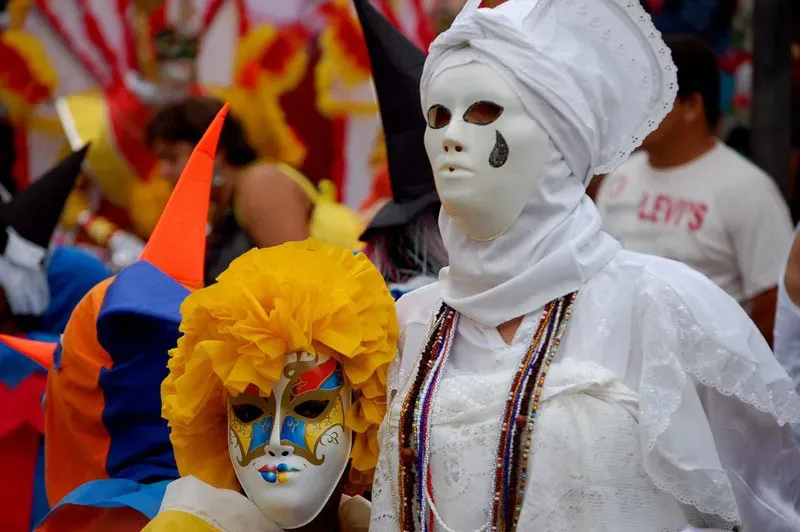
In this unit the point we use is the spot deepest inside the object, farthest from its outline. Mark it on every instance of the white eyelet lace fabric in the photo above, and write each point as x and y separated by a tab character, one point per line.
586	471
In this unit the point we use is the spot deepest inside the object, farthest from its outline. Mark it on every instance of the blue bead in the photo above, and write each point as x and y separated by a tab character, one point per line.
271	477
282	468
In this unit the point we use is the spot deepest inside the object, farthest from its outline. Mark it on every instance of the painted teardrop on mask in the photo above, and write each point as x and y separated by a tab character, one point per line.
499	155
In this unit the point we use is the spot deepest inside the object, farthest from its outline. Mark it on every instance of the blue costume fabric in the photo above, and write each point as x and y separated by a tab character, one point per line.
137	326
70	275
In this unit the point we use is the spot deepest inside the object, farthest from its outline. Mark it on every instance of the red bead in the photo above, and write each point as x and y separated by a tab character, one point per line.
407	455
521	421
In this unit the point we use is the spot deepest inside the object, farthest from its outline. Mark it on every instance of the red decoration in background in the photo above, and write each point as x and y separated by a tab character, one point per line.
315	130
655	6
21	428
17	77
63	35
347	33
129	117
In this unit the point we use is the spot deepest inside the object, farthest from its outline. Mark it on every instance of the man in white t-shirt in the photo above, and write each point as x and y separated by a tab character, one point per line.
688	197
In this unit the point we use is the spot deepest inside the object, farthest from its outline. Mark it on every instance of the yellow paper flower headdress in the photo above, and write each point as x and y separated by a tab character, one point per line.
295	297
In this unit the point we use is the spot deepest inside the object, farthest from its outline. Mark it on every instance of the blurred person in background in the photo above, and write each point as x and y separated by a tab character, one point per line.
40	285
257	202
7	157
403	238
688	197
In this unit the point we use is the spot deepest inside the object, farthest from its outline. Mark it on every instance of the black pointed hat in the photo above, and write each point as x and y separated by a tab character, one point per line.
396	71
34	212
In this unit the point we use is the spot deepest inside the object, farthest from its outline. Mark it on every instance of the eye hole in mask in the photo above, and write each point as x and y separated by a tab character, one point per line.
438	116
483	113
311	409
247	413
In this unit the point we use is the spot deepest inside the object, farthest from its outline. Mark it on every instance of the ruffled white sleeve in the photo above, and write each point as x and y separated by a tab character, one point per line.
715	405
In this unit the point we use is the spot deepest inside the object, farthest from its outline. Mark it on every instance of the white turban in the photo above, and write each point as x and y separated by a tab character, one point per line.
594	73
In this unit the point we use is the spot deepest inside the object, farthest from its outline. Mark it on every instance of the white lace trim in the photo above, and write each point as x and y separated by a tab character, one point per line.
669	83
681	348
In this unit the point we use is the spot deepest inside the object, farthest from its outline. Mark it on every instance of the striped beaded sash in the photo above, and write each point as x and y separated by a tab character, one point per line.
416	495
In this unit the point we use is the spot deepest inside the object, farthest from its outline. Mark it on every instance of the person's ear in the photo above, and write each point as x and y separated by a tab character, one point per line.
692	108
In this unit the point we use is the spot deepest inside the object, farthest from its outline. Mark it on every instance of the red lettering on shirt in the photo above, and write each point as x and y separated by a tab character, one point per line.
643	208
665	210
699	212
662	209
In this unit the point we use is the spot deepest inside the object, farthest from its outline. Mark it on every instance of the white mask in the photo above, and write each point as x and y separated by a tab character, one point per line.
485	149
290	449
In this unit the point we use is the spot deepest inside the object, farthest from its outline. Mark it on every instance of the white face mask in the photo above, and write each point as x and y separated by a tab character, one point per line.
290	449
485	149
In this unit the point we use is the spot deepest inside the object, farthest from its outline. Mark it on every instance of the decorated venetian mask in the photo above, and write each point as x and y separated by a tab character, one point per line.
290	448
486	151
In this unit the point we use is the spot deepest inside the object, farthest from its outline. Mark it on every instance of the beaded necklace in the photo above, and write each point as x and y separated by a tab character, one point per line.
510	476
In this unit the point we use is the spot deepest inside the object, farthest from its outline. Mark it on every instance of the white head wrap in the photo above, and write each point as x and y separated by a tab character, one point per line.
23	277
598	78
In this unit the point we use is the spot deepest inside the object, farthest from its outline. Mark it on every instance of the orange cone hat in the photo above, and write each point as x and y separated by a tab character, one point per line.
40	352
177	246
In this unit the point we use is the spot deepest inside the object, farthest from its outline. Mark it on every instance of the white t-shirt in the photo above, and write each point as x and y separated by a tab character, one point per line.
719	214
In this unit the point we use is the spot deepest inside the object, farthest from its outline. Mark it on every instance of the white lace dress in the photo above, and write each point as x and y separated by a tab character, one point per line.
664	410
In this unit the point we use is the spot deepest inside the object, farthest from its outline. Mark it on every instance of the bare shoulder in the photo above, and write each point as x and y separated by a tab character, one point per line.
266	180
263	175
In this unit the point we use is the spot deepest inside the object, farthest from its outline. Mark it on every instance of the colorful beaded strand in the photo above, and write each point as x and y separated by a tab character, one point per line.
522	467
430	387
514	442
508	426
406	469
532	387
519	396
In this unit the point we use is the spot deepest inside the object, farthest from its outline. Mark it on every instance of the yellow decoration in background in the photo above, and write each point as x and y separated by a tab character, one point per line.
337	73
270	302
17	11
331	222
34	54
256	101
147	200
76	204
254	45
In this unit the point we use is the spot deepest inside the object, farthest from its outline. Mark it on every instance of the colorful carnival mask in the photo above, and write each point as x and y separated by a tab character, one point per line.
290	448
485	149
279	381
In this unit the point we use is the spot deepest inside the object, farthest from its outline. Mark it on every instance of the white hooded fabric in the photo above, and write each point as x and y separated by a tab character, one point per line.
664	408
598	79
23	276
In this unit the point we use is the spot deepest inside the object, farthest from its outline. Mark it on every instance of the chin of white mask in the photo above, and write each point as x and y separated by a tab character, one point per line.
287	487
485	149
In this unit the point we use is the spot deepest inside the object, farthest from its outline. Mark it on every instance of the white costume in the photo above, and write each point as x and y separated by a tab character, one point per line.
664	407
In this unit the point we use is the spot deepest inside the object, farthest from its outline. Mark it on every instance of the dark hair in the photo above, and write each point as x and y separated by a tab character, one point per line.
188	120
698	73
7	157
